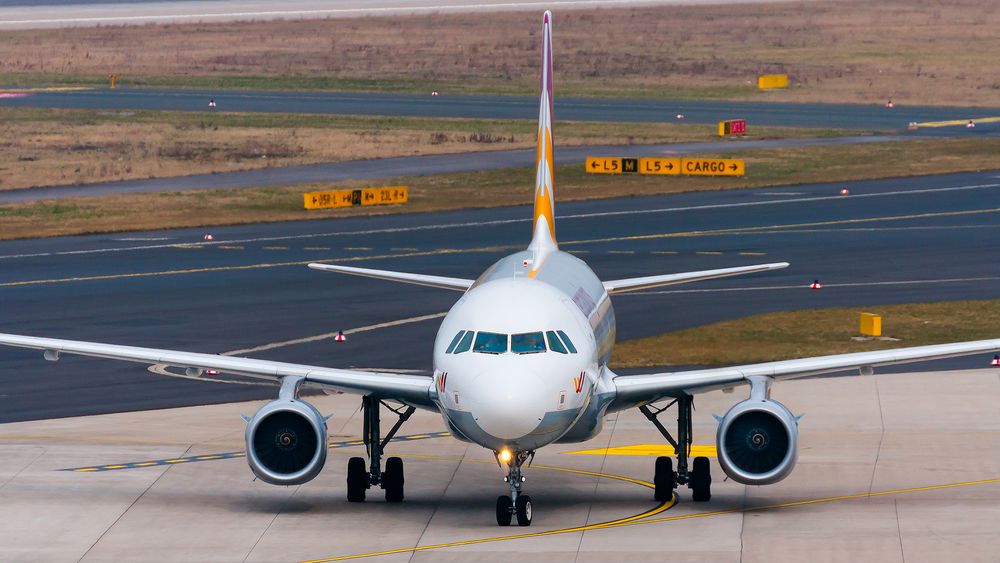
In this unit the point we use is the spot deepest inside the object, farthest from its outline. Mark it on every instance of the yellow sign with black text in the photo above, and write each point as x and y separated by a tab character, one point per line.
712	167
601	165
349	198
660	166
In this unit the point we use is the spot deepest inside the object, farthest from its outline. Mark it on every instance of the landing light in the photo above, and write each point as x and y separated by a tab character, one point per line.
505	455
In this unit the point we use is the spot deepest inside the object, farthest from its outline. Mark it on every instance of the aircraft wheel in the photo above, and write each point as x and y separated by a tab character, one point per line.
523	510
664	479
392	480
504	511
701	480
357	479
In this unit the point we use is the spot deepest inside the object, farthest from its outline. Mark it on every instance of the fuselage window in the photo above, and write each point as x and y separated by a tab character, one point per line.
554	344
451	347
490	343
568	342
527	343
465	343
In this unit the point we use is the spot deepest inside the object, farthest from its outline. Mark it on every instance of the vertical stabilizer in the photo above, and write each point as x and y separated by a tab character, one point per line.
544	225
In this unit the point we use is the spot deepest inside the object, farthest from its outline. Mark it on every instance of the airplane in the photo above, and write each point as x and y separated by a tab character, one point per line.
521	362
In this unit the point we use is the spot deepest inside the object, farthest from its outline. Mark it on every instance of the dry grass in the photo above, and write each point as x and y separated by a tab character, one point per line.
53	147
915	51
813	332
487	189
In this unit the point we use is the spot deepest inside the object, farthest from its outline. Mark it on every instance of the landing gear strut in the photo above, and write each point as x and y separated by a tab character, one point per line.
699	478
517	504
360	479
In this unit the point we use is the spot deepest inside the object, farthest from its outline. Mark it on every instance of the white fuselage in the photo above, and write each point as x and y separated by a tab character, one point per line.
518	357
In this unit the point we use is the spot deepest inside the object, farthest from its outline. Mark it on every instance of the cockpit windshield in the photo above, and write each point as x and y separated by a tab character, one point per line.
521	343
465	343
554	344
490	343
527	343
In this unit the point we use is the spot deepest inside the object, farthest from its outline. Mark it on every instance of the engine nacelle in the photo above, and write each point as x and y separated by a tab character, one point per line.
758	442
286	442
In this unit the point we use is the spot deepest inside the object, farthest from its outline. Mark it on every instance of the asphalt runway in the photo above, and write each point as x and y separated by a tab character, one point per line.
172	485
891	241
773	113
405	166
24	14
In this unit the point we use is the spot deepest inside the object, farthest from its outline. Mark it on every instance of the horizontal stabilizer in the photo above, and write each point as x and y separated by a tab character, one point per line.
635	284
457	284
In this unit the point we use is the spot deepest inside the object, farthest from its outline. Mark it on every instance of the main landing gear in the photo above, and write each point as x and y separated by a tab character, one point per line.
665	480
360	479
517	504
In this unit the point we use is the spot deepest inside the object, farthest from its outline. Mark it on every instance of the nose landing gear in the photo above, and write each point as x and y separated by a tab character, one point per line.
360	479
517	505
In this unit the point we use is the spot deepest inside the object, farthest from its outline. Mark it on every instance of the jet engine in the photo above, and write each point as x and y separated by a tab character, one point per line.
757	442
286	442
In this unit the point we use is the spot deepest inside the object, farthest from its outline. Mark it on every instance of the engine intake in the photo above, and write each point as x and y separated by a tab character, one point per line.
286	442
757	442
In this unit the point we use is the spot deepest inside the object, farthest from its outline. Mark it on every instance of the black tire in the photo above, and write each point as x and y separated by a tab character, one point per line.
701	480
503	511
357	479
392	480
523	510
664	479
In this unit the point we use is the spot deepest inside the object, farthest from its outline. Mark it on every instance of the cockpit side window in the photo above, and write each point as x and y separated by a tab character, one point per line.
554	344
527	343
568	342
451	347
465	343
490	343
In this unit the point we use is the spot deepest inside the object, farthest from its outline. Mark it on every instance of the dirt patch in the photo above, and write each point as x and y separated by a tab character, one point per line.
914	51
57	147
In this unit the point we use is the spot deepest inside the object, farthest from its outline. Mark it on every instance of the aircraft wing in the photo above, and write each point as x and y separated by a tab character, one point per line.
635	390
614	287
407	388
457	284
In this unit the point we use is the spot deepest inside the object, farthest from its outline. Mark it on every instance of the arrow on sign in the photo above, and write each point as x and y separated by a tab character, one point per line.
670	166
732	167
594	165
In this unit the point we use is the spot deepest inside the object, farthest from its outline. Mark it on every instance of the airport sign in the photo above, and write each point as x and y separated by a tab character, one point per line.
713	167
602	165
660	166
349	198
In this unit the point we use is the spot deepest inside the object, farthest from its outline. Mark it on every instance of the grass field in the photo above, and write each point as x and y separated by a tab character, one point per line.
52	147
813	332
914	51
488	189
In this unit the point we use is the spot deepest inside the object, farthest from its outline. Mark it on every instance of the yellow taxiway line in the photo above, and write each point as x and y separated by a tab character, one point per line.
765	229
666	505
646	518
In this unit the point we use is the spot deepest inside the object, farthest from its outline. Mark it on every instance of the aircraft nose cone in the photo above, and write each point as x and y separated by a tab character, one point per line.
507	404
